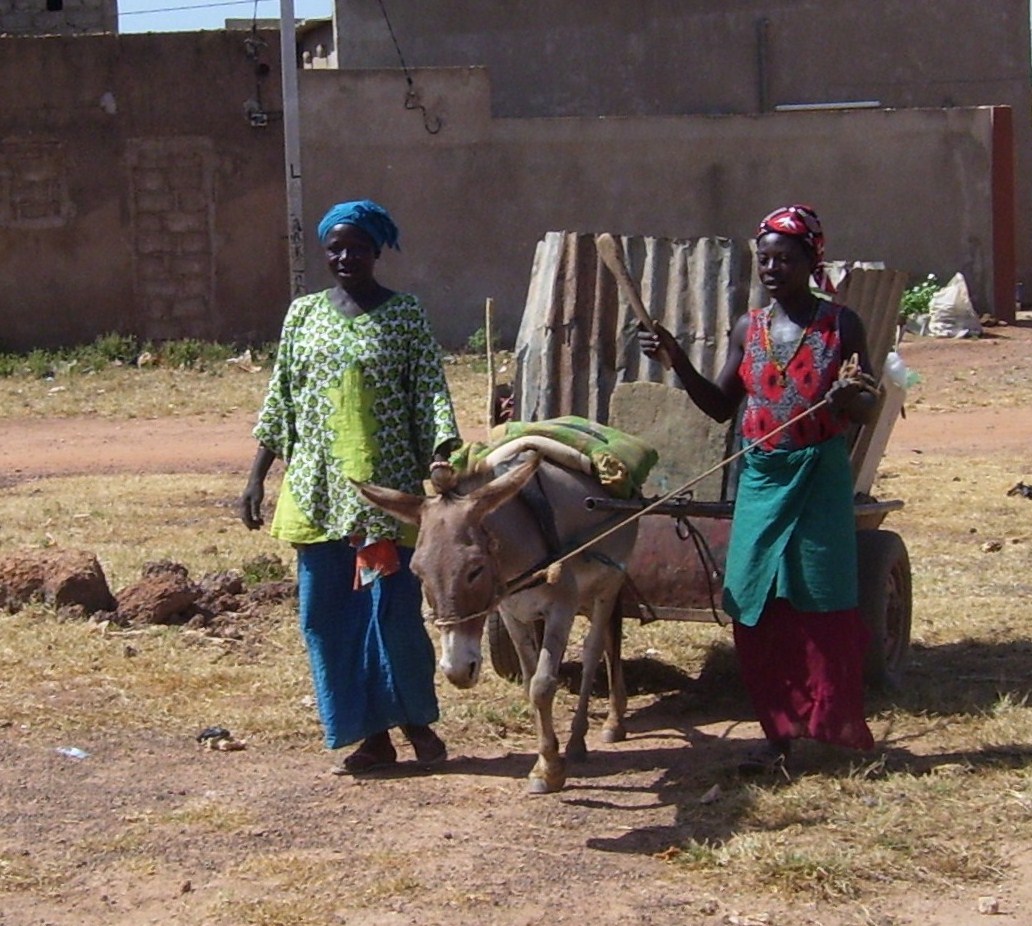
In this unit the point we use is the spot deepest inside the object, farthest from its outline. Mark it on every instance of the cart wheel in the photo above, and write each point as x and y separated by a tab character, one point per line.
504	659
886	603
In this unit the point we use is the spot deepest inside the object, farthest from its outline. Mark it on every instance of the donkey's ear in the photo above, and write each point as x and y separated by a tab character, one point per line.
498	491
402	505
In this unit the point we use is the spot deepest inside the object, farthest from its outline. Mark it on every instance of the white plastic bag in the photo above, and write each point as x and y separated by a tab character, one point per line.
950	312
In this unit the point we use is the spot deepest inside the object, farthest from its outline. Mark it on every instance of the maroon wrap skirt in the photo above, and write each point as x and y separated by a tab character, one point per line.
804	673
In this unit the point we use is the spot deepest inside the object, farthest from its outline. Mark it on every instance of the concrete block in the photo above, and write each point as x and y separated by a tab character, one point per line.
688	442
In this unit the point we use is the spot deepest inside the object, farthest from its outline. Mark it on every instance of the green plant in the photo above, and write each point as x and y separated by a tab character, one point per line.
477	342
193	354
10	365
40	363
917	298
115	348
265	568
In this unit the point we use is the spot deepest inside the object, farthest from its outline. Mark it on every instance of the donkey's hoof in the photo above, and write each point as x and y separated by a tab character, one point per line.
616	733
540	786
576	752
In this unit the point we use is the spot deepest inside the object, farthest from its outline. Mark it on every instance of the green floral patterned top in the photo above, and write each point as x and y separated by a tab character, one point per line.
360	398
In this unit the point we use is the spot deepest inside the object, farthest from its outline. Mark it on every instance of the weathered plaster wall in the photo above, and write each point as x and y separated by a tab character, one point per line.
910	187
134	194
58	17
666	57
611	57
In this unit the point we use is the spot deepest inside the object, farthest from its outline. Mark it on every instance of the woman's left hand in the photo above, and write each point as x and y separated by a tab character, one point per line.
854	393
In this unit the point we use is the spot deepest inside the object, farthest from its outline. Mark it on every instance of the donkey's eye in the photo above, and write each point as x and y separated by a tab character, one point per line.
475	573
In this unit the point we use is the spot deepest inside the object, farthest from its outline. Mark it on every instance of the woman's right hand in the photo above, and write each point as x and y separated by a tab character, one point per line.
657	344
251	505
254	492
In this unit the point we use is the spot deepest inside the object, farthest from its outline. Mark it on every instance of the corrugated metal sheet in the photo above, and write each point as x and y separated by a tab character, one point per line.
875	296
577	336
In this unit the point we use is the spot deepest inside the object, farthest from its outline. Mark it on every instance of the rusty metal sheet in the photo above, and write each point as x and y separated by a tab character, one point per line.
669	572
577	337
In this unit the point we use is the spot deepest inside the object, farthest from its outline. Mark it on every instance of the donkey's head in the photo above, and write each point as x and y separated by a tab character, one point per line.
457	561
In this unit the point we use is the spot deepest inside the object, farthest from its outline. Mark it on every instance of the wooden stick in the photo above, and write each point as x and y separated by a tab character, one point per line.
612	256
489	348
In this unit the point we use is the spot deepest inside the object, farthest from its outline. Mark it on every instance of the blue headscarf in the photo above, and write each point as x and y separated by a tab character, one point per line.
371	217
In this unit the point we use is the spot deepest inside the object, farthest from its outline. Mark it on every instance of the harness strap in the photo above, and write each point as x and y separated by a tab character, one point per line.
533	494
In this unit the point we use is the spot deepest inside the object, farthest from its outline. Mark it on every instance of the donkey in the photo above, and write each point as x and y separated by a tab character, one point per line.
481	547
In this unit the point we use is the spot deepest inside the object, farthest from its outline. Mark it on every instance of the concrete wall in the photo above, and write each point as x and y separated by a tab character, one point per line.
611	57
666	57
910	187
58	17
135	196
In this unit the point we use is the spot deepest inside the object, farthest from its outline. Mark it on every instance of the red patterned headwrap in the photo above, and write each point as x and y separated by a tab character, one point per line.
800	221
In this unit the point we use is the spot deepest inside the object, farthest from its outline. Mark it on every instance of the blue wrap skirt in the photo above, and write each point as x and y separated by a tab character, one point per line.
371	658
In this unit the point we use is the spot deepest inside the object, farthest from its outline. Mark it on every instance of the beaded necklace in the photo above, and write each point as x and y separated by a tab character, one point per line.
768	342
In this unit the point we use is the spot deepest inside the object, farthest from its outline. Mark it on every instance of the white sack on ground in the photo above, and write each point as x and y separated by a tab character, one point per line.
950	312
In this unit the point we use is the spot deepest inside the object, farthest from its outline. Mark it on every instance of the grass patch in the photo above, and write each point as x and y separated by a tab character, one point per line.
22	873
182	378
314	887
833	840
79	680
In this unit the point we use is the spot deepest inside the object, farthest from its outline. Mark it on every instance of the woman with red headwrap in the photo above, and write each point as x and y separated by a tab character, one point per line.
790	584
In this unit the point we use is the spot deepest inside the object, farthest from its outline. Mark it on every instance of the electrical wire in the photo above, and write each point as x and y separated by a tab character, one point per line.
432	124
194	6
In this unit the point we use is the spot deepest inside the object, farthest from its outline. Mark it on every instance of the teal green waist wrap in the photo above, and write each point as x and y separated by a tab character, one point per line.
794	532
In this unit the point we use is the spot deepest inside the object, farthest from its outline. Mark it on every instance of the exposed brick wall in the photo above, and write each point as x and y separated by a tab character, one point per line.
33	185
135	194
171	195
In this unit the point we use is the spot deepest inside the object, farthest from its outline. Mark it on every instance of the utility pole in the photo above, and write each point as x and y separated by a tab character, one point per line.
292	148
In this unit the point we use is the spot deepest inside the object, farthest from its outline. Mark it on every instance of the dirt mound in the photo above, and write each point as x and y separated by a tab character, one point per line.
73	581
64	579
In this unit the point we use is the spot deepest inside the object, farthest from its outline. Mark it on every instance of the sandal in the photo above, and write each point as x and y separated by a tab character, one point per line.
766	759
429	747
376	752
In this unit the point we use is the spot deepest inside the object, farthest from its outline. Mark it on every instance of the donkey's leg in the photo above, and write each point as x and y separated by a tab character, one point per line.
576	748
555	604
525	640
613	730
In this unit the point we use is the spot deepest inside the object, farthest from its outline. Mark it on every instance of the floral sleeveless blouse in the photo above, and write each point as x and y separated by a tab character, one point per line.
773	397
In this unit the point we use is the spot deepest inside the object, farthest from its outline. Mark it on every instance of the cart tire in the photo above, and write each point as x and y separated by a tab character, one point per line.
886	603
504	659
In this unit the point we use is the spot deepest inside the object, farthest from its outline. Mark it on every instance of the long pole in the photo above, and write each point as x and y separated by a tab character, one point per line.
489	347
292	148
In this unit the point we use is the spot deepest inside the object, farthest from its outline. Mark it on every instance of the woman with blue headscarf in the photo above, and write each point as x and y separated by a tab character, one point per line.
358	394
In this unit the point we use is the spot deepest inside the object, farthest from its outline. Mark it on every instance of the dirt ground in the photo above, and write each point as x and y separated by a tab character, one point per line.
466	833
222	444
